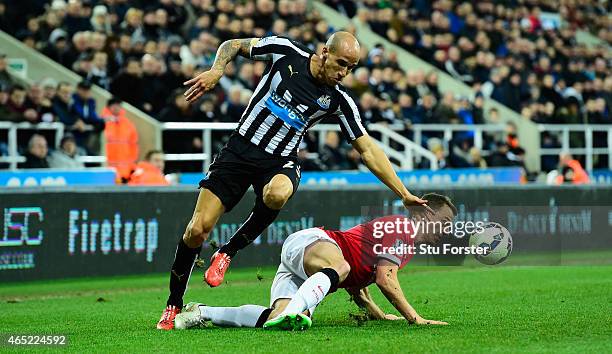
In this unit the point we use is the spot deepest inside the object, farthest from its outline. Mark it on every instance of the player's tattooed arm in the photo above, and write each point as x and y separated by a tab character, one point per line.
232	48
362	298
207	80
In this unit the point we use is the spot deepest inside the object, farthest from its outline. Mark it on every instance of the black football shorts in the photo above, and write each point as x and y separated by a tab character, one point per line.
241	164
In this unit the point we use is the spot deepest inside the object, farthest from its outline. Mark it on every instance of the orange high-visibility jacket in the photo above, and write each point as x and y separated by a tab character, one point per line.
147	174
121	142
580	175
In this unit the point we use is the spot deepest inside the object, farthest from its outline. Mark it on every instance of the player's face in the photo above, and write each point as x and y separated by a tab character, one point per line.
444	215
337	67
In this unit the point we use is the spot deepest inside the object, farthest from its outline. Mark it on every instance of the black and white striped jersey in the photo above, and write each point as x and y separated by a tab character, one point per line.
288	100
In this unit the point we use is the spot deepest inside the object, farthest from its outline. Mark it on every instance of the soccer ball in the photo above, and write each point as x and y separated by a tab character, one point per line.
496	239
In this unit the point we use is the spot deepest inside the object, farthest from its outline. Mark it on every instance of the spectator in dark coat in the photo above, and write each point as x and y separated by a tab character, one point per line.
84	107
5	78
17	110
332	155
154	93
36	156
57	48
62	103
128	84
182	141
87	124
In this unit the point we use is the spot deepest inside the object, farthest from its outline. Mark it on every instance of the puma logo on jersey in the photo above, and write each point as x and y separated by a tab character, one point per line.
291	72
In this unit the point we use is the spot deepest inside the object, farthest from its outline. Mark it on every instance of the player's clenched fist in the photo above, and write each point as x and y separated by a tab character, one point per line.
201	84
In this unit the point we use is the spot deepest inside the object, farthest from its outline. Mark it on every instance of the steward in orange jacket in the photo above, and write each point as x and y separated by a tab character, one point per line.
121	139
150	172
571	171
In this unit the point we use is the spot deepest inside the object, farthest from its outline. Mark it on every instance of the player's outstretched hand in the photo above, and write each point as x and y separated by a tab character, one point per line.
393	317
201	84
422	321
412	200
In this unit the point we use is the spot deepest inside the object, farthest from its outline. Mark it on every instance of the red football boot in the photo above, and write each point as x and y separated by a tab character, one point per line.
218	265
166	322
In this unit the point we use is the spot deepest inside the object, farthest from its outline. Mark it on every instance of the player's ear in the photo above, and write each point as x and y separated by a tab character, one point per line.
324	53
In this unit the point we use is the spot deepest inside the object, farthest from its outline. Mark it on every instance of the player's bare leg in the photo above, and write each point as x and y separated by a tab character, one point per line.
326	269
323	254
274	196
207	212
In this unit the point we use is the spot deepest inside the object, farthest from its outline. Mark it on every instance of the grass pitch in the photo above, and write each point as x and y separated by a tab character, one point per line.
490	309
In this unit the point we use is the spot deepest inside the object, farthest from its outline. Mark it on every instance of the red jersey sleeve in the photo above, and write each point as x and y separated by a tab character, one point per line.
393	238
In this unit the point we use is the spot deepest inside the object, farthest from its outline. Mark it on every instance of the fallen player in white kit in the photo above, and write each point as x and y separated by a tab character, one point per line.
315	262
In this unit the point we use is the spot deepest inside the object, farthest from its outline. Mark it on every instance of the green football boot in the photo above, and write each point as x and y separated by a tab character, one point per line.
289	322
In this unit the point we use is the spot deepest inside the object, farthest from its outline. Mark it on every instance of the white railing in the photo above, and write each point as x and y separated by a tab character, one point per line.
588	150
405	157
409	152
409	147
449	129
14	158
564	131
206	129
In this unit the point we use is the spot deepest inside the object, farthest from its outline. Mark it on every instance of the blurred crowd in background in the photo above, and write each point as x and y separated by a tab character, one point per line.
143	51
512	51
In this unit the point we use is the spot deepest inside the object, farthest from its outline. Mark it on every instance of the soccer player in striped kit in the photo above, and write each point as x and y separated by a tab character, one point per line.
298	89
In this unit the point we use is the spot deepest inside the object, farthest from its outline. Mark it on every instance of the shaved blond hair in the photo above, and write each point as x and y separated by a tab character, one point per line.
342	41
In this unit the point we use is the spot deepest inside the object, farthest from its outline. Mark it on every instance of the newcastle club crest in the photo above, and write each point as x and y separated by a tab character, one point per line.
324	101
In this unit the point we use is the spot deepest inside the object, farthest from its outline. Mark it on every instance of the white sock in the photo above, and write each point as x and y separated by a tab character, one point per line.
243	316
310	294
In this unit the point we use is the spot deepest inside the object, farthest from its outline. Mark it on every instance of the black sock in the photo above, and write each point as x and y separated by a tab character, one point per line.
263	318
334	278
261	217
180	272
